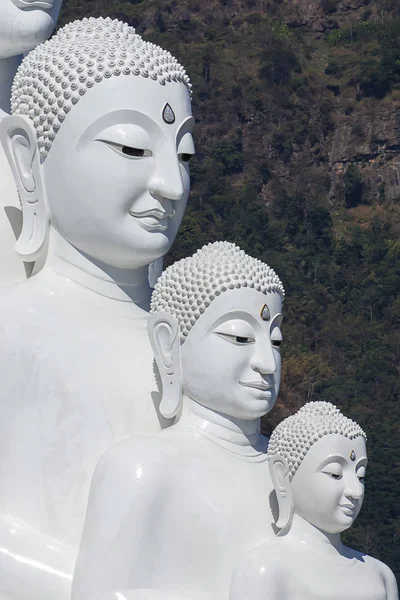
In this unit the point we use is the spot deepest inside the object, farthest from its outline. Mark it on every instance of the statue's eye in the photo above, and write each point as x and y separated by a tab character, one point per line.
333	470
126	150
243	340
237	332
277	343
335	475
133	151
361	474
184	157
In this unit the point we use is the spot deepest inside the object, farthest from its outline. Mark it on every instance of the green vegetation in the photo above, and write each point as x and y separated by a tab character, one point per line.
376	44
273	104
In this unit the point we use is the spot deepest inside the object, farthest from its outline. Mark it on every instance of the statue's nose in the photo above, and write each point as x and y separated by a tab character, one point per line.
167	180
263	360
354	489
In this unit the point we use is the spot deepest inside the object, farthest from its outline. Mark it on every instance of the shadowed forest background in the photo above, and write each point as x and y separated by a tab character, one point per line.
297	107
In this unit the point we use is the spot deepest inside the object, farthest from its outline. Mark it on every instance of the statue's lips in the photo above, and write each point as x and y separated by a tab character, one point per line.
153	220
29	4
348	509
257	385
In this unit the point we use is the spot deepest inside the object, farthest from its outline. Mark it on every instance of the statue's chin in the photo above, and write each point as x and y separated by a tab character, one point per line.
29	29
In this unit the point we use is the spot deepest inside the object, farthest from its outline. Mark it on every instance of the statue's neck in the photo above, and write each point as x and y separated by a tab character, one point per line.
8	68
306	533
105	280
222	428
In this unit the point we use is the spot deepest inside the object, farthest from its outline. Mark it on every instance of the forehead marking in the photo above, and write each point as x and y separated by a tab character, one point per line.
353	455
168	114
265	313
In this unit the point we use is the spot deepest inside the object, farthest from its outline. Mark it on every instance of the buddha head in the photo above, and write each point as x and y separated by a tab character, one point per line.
99	142
26	23
317	460
216	332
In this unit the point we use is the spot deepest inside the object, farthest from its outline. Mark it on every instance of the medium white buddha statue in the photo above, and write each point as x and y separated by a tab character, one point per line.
169	515
317	460
99	143
23	25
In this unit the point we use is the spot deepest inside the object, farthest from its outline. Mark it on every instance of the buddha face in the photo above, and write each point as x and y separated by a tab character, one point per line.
117	177
328	487
26	23
231	358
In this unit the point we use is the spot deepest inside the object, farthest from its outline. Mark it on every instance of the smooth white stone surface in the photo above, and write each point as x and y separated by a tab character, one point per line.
308	560
286	569
76	363
173	513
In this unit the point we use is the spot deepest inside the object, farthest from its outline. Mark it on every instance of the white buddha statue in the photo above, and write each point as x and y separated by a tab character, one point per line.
99	143
169	515
317	461
23	25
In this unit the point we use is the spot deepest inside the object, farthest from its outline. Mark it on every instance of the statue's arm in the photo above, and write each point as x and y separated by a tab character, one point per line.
392	592
124	504
258	576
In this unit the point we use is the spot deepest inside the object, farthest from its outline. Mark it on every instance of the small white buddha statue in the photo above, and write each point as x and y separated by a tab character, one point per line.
317	460
23	25
99	141
169	515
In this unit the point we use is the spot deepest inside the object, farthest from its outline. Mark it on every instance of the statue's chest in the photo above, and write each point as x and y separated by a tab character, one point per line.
349	580
75	389
224	502
216	510
84	375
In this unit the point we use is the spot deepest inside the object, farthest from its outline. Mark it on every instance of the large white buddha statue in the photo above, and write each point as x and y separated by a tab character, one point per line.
169	515
23	25
99	143
317	460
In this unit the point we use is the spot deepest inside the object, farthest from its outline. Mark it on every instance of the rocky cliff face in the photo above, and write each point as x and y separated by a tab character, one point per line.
366	130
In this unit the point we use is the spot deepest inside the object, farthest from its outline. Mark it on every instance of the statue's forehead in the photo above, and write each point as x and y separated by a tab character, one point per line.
337	445
242	301
134	93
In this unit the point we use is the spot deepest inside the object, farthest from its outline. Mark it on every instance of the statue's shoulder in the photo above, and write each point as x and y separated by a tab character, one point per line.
378	566
268	553
141	460
259	571
372	564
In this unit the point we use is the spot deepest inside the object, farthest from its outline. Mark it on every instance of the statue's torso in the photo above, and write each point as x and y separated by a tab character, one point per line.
295	570
219	507
190	510
348	579
76	377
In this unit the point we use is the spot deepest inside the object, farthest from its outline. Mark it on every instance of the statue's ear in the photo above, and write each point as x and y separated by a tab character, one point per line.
279	470
20	146
163	331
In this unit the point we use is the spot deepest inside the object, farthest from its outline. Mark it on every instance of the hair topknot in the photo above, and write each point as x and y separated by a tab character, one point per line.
189	286
294	436
56	74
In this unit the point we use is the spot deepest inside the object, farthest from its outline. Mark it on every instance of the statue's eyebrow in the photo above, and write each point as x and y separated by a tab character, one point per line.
331	458
185	127
276	321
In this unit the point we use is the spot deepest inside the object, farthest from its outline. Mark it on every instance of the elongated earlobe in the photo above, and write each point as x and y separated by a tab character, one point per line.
163	332
19	141
280	478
